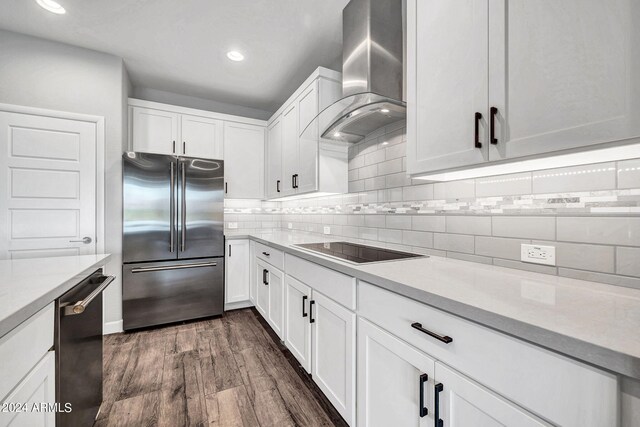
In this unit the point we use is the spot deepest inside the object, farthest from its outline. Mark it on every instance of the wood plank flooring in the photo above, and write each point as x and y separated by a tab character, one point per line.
226	371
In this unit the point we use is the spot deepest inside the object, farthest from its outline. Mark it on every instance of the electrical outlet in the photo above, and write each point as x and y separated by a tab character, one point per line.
327	229
538	254
289	226
232	224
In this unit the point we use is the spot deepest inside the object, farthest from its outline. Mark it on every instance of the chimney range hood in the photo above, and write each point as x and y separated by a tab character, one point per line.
372	72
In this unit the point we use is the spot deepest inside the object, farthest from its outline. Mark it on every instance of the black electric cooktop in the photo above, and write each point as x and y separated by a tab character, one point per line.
359	254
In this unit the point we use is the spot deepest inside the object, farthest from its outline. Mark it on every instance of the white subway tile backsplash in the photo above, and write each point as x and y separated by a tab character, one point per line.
504	185
418	192
583	257
477	225
527	227
428	223
376	183
623	231
389	235
600	176
417	238
397	151
377	221
374	157
455	189
401	222
499	247
390	166
454	242
368	171
628	261
397	180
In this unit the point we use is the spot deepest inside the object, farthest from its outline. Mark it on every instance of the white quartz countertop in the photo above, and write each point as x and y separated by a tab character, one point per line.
592	322
28	285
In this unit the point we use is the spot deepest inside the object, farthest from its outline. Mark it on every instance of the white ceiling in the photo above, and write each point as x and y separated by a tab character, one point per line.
180	45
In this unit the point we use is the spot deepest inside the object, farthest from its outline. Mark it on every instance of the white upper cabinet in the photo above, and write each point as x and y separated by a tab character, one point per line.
307	163
244	161
563	74
274	159
447	84
202	137
154	131
545	76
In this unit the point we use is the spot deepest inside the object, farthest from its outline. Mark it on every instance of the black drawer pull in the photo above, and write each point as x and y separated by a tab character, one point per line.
477	129
445	339
266	254
304	298
423	409
311	319
265	276
436	416
492	126
278	186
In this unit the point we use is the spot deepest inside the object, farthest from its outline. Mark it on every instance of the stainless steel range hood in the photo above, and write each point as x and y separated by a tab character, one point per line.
372	71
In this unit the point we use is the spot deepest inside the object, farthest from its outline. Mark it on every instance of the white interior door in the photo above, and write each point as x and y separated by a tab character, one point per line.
447	57
48	202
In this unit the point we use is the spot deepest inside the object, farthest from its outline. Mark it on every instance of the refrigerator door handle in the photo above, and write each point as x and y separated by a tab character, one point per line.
173	267
172	221
183	225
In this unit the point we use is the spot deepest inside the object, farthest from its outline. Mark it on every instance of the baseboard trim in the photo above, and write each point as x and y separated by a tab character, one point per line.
112	327
237	305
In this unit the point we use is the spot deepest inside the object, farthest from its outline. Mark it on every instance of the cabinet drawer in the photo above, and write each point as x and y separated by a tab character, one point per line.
559	389
23	347
337	286
270	255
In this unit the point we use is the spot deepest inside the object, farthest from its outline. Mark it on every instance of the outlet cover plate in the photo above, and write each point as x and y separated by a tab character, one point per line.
233	225
289	226
327	230
538	254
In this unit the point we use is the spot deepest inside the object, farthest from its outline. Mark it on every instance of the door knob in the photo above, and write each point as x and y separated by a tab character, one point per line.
85	240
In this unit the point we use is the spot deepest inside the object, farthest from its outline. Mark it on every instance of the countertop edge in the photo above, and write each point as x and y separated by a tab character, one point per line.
18	317
585	352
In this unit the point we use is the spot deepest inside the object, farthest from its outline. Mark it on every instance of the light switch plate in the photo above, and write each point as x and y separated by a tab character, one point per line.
538	254
327	229
233	225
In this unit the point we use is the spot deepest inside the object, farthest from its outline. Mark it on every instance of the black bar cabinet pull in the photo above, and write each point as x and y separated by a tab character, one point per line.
304	298
436	416
265	276
174	147
311	319
423	409
278	186
226	188
492	126
266	254
184	147
293	181
445	339
477	140
229	250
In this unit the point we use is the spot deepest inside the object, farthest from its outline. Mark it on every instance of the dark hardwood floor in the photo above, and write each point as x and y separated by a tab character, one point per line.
226	371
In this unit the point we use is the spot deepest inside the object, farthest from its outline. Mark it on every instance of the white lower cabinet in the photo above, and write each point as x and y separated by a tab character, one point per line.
297	324
462	402
333	353
237	274
395	381
37	388
270	295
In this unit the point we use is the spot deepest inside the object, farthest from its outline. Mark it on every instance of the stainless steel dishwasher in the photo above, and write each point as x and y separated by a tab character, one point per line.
78	345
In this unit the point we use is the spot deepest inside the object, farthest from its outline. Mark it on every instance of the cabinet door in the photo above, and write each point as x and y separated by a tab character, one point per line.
395	381
37	388
464	403
154	131
289	149
275	313
307	171
447	72
297	325
237	271
262	289
202	137
253	288
563	74
333	357
243	161
274	159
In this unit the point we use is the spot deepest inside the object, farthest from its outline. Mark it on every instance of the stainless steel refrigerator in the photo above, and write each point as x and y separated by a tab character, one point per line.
173	239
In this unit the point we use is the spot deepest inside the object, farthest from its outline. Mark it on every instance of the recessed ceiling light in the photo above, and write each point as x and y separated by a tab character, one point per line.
51	6
234	55
384	110
337	134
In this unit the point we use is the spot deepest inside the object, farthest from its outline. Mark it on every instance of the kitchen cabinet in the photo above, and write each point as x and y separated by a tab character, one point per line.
237	274
298	161
244	161
154	131
202	137
528	80
395	381
274	159
270	296
297	325
252	272
461	402
333	353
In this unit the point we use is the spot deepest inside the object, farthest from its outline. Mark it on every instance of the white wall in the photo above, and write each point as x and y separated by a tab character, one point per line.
39	73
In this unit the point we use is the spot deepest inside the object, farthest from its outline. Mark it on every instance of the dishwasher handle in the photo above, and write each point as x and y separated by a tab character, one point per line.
80	306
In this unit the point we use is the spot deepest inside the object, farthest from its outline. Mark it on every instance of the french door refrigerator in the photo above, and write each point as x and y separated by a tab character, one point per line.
173	239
